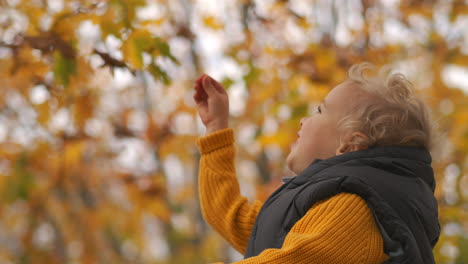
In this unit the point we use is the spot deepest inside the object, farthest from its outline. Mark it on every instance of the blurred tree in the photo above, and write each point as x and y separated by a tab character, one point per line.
97	124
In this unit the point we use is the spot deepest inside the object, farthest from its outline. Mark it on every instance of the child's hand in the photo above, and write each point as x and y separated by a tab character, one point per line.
212	102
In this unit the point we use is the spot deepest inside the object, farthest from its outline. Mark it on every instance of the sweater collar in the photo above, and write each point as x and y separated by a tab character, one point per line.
410	160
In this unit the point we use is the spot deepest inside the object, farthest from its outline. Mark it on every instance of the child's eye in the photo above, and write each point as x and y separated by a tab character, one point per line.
319	110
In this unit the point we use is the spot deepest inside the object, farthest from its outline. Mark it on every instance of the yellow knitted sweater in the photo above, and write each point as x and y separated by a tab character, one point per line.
338	230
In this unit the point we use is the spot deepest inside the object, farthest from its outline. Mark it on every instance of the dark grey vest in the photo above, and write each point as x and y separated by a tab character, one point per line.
396	182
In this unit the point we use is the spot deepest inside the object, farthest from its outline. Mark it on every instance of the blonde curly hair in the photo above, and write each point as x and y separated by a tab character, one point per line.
392	115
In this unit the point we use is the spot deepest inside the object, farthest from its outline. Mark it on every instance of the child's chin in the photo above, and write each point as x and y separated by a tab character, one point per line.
289	159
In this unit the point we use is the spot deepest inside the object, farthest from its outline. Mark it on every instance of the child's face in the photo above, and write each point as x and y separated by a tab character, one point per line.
318	136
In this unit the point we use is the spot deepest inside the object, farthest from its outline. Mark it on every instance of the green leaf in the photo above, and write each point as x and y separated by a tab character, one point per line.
253	73
164	50
141	41
63	68
300	110
138	48
110	23
463	246
227	82
133	47
159	74
20	183
128	8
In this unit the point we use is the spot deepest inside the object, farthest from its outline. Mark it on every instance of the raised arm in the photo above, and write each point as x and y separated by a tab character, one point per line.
223	207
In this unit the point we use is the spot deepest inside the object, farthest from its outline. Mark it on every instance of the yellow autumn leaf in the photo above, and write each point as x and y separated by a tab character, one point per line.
73	151
264	94
65	24
280	138
83	109
212	22
34	15
317	92
133	47
303	23
424	10
159	209
151	23
43	113
325	60
109	22
172	143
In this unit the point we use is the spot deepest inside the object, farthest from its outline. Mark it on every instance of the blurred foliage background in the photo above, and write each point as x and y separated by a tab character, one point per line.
98	162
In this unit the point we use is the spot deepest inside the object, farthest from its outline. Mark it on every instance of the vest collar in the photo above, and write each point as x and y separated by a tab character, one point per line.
410	160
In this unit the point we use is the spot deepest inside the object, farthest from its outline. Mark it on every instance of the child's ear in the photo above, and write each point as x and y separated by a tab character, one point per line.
352	142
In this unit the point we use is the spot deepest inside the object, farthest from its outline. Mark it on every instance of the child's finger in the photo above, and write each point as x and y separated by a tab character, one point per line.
203	95
199	98
198	80
218	86
197	86
208	86
200	94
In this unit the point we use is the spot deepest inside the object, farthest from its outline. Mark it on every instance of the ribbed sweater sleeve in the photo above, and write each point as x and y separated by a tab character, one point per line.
340	229
222	205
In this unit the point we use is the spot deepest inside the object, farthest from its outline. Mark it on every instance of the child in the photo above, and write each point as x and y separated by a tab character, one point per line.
363	190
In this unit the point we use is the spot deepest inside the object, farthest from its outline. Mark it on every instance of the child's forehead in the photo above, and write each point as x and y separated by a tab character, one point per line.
345	95
340	92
